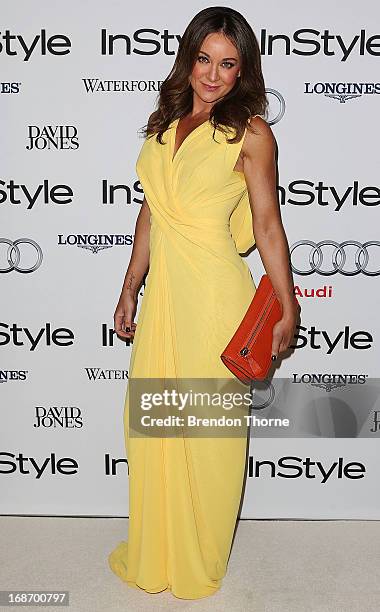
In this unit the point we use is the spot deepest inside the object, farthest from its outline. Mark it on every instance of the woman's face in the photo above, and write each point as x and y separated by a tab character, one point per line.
217	65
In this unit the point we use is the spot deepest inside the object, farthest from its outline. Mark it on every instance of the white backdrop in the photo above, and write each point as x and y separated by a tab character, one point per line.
59	356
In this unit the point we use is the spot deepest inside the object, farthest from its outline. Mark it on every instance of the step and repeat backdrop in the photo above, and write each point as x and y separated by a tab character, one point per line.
77	82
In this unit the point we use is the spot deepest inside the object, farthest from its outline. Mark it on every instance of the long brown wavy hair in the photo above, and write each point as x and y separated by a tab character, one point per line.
245	99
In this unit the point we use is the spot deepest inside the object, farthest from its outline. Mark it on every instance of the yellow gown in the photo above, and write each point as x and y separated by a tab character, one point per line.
184	493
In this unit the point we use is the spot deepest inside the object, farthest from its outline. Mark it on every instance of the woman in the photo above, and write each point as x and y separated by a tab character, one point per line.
207	166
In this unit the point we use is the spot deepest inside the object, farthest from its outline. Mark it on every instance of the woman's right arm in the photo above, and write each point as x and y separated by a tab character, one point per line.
138	266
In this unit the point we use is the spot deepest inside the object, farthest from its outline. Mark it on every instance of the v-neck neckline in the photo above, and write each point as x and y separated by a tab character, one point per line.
175	123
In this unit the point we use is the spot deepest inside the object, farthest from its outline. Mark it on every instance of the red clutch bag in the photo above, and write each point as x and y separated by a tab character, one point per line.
248	355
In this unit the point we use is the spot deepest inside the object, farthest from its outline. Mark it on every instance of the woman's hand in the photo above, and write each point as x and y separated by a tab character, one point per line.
283	331
124	315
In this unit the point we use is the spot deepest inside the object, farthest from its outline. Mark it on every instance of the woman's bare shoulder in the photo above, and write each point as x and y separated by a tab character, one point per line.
260	126
259	138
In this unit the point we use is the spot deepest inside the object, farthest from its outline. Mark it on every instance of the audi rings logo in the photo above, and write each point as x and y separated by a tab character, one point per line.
19	260
337	258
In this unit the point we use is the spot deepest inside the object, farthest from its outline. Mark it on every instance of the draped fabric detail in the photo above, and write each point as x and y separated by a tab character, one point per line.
184	492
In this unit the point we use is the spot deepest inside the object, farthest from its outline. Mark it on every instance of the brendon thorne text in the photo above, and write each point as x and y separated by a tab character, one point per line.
191	420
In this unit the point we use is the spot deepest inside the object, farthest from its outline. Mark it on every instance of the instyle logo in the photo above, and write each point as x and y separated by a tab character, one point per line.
297	467
102	374
46	336
95	85
23	255
121	193
307	193
64	417
145	41
52	137
320	339
9	88
13	375
19	194
11	463
305	42
328	257
95	242
308	42
42	44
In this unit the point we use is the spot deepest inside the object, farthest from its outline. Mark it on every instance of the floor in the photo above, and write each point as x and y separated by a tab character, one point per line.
275	566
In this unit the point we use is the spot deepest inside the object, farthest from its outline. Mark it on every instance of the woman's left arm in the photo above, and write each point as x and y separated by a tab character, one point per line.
259	164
